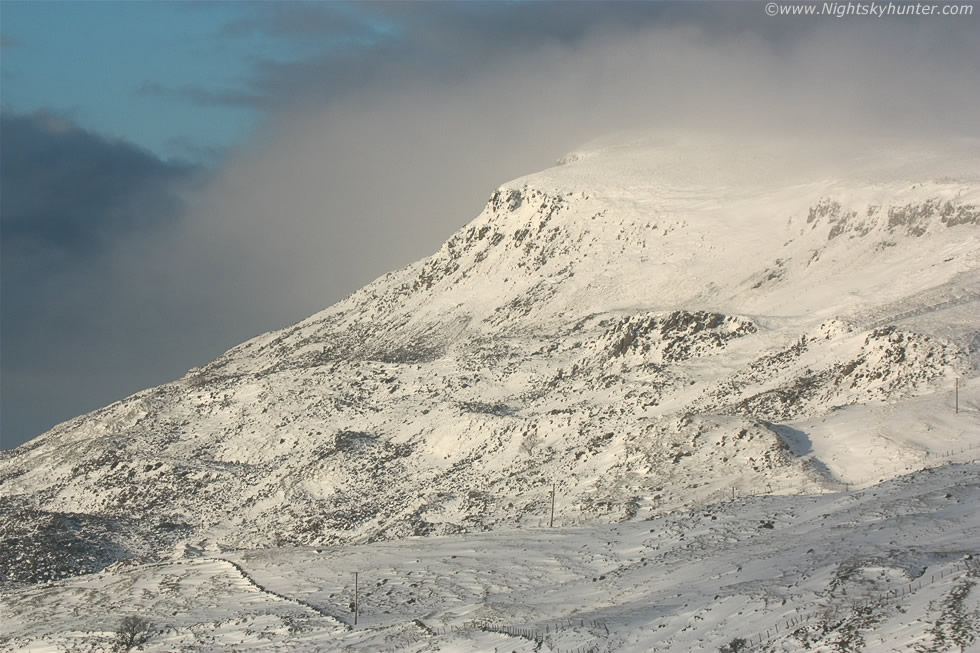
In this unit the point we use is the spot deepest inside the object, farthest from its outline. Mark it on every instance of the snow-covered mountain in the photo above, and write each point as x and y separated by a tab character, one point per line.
656	325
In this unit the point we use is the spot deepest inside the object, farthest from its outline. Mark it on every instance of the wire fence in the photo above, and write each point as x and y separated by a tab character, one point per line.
841	610
539	635
542	636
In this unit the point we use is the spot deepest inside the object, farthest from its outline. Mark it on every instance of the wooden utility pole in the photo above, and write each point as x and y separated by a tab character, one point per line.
355	598
957	409
552	524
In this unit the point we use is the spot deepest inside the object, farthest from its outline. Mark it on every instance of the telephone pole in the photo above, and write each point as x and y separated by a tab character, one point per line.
552	524
355	598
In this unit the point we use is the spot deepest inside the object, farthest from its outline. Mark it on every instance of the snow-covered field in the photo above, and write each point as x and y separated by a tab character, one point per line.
752	384
878	569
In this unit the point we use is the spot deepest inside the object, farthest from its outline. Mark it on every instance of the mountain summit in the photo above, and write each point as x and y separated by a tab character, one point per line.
652	325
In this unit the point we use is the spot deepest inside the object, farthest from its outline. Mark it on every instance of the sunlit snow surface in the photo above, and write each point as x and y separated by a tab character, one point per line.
750	373
875	566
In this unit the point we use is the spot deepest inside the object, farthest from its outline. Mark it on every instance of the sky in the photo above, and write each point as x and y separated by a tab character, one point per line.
177	177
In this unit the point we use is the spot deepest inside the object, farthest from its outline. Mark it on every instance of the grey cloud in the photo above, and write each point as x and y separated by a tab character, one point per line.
394	44
360	46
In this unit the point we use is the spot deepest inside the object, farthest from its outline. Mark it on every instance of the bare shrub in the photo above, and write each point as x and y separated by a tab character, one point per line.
132	632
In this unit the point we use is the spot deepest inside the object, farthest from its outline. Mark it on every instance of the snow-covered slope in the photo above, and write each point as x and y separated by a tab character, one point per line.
654	325
891	568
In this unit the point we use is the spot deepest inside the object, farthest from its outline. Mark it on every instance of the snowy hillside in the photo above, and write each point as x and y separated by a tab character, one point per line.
883	569
654	326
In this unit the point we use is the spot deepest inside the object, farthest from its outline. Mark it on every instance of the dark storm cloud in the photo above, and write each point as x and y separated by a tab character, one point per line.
69	199
70	189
